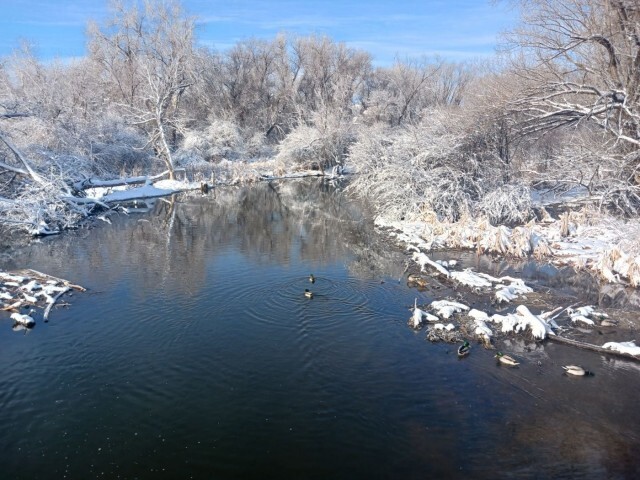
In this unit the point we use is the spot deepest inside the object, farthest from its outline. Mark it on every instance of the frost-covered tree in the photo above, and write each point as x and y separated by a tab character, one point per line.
579	63
146	54
332	77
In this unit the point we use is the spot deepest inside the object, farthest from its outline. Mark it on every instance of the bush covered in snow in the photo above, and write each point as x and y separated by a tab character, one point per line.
413	171
508	204
221	139
316	147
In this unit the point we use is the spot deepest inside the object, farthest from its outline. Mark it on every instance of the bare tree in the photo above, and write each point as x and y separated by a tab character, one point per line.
147	53
401	93
332	76
579	63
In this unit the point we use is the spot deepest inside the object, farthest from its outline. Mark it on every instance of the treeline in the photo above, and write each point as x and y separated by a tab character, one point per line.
558	108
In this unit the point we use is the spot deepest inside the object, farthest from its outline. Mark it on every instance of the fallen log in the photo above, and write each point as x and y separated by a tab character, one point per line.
93	182
589	346
51	303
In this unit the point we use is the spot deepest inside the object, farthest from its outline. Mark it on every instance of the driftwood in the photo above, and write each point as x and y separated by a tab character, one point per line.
52	302
28	272
589	346
61	286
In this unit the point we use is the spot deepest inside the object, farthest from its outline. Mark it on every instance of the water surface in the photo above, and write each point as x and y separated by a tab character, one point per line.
194	354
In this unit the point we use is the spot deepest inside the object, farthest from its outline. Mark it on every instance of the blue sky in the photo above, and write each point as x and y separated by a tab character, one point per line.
453	29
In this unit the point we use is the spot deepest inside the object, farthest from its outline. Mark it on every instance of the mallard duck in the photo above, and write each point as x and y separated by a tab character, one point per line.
576	370
464	349
308	293
417	280
506	359
312	279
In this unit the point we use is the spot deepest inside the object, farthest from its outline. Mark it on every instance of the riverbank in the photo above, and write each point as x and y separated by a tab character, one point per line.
491	308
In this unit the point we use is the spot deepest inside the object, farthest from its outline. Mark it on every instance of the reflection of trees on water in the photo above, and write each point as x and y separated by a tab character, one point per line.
563	281
278	222
281	223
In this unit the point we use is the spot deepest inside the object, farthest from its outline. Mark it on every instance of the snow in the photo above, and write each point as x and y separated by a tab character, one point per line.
587	311
482	329
478	315
25	320
146	191
469	278
446	308
423	260
12	278
512	291
30	298
623	347
585	314
479	319
504	293
31	286
175	185
582	319
607	248
521	320
419	315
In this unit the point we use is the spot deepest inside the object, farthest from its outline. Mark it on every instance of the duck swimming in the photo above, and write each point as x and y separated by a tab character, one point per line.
577	371
506	359
308	293
464	349
312	279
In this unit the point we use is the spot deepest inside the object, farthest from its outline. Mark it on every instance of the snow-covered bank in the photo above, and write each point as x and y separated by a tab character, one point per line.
563	242
602	245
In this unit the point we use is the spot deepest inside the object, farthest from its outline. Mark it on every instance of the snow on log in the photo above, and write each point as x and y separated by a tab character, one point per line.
520	320
512	291
483	330
478	315
585	314
419	315
147	191
44	277
25	320
446	308
469	278
416	318
52	300
629	348
12	278
93	183
479	319
539	327
423	260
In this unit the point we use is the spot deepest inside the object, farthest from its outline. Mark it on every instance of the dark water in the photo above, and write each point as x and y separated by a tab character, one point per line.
194	354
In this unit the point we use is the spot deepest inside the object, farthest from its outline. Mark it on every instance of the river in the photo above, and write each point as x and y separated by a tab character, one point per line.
195	354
